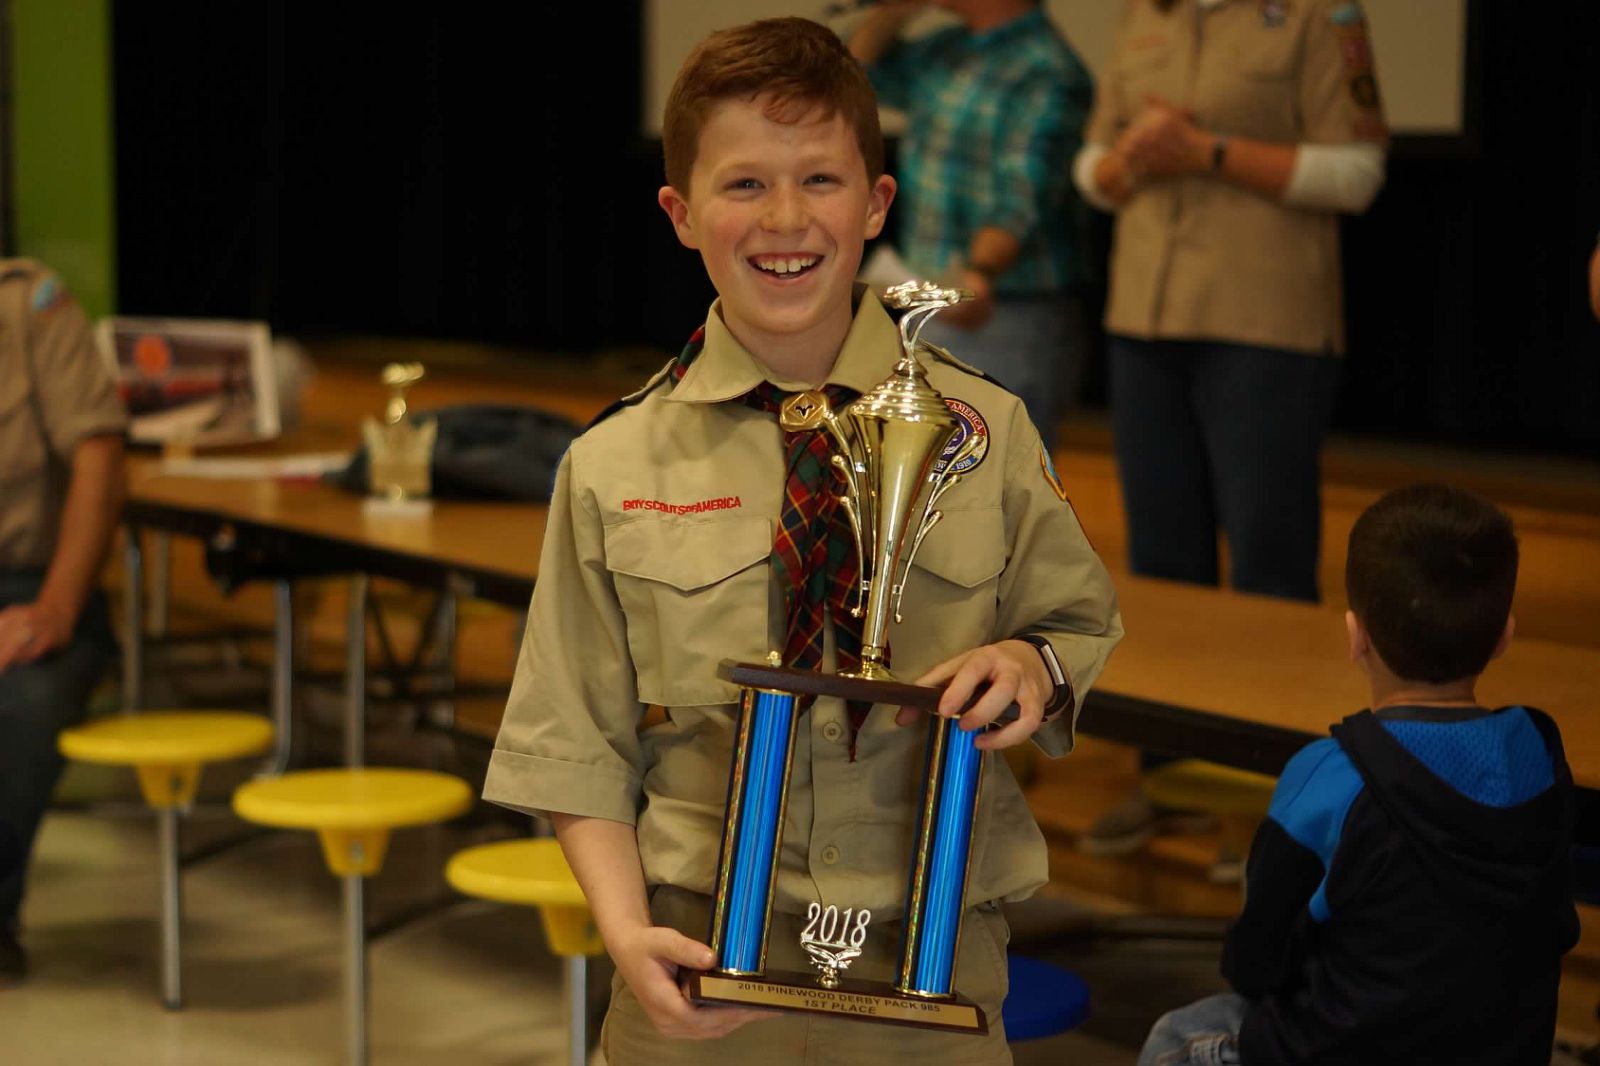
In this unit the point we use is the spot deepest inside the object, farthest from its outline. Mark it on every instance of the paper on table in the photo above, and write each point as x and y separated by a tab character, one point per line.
307	465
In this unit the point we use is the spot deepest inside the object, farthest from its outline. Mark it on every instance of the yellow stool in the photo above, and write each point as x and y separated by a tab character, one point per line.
168	749
534	873
1238	798
352	812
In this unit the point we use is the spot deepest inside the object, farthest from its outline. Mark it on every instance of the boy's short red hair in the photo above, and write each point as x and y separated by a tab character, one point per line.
800	65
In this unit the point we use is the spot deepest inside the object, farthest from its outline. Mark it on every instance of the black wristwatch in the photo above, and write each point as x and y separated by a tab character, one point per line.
1060	699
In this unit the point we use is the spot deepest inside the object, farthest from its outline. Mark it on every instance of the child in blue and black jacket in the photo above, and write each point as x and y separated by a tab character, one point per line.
1410	891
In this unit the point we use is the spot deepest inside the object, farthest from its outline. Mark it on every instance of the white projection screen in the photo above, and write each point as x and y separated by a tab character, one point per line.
1420	48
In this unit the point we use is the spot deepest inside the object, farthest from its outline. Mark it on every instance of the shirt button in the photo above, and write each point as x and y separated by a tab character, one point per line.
830	854
832	731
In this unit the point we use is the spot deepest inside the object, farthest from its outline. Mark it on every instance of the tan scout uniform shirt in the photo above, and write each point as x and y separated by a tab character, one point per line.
56	390
655	568
1194	257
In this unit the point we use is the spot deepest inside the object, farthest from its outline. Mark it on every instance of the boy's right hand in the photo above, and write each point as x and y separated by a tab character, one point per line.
648	958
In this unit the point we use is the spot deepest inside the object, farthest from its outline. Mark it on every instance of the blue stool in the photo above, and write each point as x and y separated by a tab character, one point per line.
1044	1000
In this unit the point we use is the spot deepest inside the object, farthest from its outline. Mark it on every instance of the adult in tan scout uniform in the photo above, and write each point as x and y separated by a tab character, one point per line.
1227	135
61	486
656	566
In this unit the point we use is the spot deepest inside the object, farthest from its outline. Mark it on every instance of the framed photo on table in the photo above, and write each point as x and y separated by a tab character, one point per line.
193	382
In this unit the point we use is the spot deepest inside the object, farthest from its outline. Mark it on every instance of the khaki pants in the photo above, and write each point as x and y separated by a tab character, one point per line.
630	1039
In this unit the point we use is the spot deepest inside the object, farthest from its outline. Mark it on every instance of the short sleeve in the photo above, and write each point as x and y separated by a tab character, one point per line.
569	740
75	384
1043	121
1339	100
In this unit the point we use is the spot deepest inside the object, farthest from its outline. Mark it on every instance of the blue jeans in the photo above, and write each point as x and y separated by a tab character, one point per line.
1210	434
1033	345
1205	1033
37	701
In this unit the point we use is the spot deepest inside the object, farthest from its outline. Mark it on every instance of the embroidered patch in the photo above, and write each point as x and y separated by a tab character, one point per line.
1274	13
1346	14
971	442
48	294
1048	465
717	503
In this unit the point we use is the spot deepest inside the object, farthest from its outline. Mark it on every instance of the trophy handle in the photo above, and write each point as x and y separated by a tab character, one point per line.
861	556
930	518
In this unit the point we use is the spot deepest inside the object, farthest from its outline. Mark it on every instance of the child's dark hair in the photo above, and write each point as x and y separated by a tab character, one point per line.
1430	573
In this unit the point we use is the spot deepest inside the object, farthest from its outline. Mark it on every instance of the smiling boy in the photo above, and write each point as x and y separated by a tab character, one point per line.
661	559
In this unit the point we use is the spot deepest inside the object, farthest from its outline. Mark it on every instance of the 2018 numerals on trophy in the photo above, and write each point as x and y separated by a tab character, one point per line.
831	928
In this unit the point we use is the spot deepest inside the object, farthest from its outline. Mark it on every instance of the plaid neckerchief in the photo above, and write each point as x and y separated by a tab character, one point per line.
814	552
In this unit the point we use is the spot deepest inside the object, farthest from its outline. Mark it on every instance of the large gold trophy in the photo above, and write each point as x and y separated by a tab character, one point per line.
896	449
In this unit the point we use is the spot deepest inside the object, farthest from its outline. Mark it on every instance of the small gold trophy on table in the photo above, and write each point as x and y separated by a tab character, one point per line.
399	452
896	449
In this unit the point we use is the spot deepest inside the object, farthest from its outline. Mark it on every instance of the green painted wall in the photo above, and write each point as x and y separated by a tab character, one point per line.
63	163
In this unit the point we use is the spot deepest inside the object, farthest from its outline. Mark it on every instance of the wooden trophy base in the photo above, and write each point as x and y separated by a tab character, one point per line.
814	683
864	1001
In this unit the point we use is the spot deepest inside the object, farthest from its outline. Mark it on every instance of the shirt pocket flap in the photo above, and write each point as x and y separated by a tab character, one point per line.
966	548
688	555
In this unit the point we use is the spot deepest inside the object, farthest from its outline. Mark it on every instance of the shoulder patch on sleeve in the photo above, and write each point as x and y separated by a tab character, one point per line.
47	294
1048	465
634	397
1347	14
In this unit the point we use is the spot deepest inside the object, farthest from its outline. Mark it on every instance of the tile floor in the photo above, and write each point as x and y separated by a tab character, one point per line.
262	965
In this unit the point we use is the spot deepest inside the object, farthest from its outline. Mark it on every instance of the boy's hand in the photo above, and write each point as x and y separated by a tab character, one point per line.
1014	673
648	958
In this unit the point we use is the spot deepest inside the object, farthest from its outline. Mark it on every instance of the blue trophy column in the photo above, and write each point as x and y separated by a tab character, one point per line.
757	794
937	890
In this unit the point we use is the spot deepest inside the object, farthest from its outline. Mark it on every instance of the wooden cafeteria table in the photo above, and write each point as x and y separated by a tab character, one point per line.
283	530
1247	680
1242	680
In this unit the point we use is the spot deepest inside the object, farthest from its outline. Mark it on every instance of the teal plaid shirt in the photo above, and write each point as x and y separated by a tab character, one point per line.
994	122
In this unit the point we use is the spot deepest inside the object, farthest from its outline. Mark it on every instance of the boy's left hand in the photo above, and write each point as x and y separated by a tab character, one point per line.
1014	673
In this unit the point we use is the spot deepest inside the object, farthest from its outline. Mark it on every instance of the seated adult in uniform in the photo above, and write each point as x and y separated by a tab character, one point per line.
61	486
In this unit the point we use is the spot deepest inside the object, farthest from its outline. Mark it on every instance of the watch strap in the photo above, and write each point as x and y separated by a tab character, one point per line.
1061	698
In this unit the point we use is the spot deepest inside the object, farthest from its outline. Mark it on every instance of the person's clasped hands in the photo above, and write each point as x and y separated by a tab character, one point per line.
1164	142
